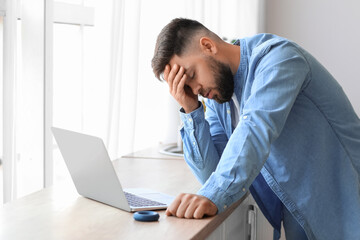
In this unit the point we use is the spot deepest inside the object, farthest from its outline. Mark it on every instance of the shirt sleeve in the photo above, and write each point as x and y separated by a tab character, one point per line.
278	74
199	149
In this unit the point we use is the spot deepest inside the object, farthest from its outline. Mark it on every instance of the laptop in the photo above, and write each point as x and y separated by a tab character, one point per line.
94	175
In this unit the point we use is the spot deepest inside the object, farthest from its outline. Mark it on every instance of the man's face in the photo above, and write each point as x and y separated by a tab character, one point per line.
206	76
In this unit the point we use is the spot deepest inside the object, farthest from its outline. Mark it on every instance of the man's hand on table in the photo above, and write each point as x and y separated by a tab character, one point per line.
188	205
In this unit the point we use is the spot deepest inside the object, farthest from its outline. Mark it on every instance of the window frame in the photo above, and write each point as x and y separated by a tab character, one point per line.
51	12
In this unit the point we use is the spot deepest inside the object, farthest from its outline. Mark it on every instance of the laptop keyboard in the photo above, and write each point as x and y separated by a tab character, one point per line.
137	201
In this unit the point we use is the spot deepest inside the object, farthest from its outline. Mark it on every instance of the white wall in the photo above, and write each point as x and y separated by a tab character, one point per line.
329	29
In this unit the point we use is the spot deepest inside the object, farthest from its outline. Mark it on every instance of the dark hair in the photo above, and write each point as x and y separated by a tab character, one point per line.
173	39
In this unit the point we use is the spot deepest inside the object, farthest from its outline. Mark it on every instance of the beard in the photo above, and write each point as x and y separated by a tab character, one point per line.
224	80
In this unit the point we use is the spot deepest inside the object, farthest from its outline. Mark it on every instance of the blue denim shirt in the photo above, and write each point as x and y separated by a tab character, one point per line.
297	128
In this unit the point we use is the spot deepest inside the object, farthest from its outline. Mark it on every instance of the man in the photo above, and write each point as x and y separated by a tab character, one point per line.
276	123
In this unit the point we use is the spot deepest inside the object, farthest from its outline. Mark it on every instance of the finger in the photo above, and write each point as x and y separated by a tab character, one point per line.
190	210
167	212
171	210
185	201
199	211
172	75
205	207
177	78
167	77
172	71
181	85
166	72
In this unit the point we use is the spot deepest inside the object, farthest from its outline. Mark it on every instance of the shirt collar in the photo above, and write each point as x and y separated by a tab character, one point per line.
240	75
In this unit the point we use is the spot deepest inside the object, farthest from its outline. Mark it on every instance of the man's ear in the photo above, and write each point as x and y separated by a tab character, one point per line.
208	46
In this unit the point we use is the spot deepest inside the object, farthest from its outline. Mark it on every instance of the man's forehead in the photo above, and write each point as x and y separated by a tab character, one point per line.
187	62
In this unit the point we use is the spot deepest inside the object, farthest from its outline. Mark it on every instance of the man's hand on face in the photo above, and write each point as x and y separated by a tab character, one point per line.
191	206
175	78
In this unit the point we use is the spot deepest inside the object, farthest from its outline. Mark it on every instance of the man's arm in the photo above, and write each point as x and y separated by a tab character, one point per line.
199	150
202	153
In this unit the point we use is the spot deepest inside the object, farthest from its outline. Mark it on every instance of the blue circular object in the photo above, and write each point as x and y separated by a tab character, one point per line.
146	216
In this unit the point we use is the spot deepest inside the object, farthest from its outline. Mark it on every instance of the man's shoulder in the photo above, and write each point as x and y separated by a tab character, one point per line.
261	38
274	47
262	41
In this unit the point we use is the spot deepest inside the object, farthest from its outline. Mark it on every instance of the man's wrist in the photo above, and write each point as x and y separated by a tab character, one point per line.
191	108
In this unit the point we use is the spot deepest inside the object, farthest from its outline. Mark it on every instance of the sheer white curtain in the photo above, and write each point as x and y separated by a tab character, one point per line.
123	77
141	113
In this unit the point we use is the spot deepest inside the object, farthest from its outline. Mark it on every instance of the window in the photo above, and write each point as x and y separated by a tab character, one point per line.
1	102
80	77
28	108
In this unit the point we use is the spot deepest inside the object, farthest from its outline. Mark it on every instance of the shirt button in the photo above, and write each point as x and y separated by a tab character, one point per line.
243	189
228	111
190	120
245	117
194	143
225	206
